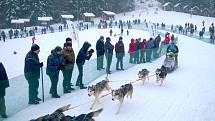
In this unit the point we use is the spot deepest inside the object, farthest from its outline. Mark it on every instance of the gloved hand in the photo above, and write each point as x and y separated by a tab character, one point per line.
91	51
41	64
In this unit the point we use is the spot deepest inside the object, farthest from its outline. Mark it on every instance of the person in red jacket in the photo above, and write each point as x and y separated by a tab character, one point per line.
33	39
142	51
167	38
131	50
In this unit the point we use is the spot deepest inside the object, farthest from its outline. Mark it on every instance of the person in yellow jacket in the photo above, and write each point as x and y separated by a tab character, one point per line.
69	57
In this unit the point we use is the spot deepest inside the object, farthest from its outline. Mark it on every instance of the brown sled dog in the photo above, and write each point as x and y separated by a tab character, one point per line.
120	93
143	74
97	89
59	116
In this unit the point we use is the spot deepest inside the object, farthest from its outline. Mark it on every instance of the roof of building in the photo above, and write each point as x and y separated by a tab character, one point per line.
45	18
67	16
166	4
185	6
89	14
176	5
109	12
17	21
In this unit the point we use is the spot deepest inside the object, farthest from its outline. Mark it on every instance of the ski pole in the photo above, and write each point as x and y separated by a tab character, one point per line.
42	84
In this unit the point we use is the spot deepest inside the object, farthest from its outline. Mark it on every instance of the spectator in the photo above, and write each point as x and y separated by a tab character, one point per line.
69	57
83	55
156	44
100	50
33	39
4	83
143	51
32	73
111	32
10	33
120	53
68	40
55	63
167	38
137	51
131	51
3	35
149	47
108	54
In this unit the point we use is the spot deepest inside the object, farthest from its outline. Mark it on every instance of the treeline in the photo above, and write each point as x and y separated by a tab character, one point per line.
15	9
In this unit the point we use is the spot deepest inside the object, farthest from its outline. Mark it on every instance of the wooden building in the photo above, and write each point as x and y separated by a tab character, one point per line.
88	17
205	12
186	9
17	24
178	7
45	21
65	18
195	10
108	15
168	6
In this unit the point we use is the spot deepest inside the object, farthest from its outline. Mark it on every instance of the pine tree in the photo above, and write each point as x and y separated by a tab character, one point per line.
12	8
24	8
40	8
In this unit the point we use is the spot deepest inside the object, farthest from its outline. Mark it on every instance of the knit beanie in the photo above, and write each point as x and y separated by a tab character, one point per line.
35	47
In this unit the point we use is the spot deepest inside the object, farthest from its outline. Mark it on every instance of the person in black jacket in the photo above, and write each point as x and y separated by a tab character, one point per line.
100	51
4	83
55	63
156	46
83	55
32	73
108	54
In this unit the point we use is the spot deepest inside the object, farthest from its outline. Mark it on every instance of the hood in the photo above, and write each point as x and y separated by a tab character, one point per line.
132	40
86	46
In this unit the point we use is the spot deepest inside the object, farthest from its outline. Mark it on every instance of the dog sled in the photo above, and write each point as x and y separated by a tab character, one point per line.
170	62
59	115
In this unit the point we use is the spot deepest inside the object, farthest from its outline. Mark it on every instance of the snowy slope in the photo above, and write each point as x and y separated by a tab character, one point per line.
187	94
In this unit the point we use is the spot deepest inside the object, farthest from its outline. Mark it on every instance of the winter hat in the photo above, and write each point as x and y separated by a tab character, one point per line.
68	39
107	38
58	48
101	37
35	47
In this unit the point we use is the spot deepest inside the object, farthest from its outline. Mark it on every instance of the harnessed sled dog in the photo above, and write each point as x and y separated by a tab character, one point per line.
161	74
143	74
97	89
58	115
120	93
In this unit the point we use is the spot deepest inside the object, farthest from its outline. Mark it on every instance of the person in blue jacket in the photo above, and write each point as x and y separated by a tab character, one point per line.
108	54
55	63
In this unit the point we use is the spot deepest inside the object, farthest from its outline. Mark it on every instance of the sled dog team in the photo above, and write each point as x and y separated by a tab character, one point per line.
96	90
124	90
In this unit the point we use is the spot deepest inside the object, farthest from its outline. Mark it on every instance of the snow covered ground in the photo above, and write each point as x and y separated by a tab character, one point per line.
187	94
